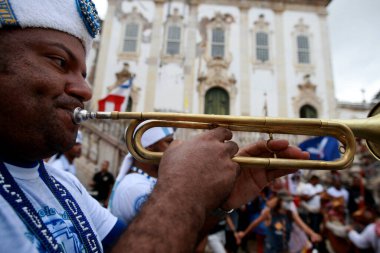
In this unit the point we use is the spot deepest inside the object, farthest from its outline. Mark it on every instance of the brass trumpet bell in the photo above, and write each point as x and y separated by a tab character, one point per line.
344	130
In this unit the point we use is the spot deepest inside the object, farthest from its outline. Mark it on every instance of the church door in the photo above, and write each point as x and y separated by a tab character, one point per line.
217	101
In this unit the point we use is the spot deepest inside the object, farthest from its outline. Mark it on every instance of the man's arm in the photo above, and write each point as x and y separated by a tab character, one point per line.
196	177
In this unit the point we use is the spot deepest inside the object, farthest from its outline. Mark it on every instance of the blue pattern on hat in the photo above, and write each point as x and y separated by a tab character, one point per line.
89	15
7	16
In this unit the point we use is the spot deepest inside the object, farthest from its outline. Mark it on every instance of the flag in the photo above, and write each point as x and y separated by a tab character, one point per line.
117	99
321	148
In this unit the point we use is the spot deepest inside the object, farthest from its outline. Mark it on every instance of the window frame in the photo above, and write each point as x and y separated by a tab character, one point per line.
215	45
127	38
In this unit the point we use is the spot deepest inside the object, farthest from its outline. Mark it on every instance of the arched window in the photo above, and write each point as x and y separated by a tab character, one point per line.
217	43
130	37
173	40
308	111
262	46
303	49
217	101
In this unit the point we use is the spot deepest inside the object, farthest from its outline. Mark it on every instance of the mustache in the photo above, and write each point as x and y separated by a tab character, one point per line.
68	103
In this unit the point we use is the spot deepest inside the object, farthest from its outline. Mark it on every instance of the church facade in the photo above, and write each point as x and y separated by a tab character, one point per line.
249	57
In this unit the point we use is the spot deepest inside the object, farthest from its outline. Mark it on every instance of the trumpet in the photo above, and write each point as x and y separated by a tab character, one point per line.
343	130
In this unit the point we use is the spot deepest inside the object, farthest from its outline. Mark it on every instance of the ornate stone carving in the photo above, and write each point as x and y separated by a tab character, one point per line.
307	96
217	67
122	76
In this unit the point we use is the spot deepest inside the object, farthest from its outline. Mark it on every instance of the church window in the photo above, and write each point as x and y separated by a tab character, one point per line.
262	46
308	111
217	102
217	44
130	38
303	49
173	40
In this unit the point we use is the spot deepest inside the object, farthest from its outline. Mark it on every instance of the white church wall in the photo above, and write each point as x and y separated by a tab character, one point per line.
263	82
169	89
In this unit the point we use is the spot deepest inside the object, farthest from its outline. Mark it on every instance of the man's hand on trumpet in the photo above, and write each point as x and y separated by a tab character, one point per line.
217	180
196	177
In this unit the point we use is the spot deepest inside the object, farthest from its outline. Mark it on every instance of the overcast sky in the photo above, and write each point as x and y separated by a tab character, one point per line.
355	46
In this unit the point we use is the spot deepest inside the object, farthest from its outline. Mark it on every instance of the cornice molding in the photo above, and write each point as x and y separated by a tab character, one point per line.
246	3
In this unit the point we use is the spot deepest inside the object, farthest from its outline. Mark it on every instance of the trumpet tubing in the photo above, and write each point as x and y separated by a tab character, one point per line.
344	130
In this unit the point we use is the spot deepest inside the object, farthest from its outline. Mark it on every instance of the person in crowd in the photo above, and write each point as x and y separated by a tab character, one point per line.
311	202
255	209
280	214
369	238
65	160
136	179
359	196
216	238
102	183
43	45
336	189
232	238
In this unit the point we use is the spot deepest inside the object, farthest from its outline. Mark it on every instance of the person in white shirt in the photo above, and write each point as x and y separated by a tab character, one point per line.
337	190
311	202
368	238
65	161
136	180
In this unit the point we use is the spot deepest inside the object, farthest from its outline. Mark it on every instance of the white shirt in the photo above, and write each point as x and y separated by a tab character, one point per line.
129	195
63	164
314	204
14	235
366	239
334	192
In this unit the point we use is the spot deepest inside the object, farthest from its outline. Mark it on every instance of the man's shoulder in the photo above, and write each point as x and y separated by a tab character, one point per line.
134	179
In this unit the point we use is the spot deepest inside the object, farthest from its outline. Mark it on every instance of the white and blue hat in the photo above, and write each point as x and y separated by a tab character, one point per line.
76	17
150	137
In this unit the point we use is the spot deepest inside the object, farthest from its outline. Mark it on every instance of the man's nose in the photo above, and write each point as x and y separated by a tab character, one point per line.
79	88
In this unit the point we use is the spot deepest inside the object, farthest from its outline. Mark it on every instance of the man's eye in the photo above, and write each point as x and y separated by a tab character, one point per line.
59	61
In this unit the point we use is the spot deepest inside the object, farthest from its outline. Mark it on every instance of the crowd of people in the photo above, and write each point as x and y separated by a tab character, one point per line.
43	45
316	216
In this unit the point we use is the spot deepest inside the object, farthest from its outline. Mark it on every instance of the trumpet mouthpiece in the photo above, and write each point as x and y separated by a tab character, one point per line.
80	115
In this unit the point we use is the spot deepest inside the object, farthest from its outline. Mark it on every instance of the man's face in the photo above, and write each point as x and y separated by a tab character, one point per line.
104	166
161	145
42	78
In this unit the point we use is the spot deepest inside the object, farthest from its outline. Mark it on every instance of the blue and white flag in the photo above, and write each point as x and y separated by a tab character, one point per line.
322	148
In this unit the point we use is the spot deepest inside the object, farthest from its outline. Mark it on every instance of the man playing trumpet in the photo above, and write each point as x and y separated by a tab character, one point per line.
43	45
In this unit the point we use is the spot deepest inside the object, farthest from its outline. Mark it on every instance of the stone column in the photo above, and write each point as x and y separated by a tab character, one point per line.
189	68
102	61
245	63
152	61
280	62
330	90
